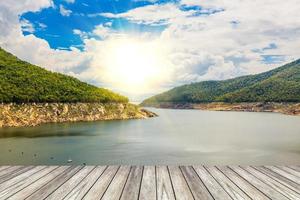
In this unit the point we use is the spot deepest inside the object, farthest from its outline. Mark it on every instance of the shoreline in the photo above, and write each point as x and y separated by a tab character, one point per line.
34	114
283	108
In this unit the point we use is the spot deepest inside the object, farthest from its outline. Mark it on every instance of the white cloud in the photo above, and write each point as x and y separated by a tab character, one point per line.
64	12
194	47
27	26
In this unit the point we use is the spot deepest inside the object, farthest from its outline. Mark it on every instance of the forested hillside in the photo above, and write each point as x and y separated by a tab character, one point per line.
22	82
279	85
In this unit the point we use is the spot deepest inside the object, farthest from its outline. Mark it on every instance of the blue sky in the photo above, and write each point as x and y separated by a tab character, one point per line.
59	31
143	47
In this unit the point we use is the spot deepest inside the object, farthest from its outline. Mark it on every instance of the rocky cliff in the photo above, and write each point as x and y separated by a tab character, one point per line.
34	114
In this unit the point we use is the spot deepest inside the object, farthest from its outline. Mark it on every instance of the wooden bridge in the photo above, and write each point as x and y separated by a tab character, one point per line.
150	182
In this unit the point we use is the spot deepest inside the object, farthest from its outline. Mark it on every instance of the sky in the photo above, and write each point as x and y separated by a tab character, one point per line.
142	47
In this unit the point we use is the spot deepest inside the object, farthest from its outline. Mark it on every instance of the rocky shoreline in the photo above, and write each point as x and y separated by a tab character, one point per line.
33	114
284	108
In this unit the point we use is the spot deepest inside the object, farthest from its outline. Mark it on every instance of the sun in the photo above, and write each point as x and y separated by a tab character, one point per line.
134	65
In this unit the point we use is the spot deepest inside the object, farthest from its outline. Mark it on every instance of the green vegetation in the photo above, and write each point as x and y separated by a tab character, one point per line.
279	85
22	82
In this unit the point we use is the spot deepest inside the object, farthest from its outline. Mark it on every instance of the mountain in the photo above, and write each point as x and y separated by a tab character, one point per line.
278	85
22	82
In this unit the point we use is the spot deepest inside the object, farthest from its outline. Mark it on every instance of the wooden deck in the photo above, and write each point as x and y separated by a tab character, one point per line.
149	182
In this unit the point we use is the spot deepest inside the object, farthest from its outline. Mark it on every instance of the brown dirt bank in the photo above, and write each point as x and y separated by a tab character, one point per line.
14	115
285	108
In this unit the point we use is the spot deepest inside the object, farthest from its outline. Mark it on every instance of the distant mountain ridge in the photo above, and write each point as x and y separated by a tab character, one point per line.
22	82
278	85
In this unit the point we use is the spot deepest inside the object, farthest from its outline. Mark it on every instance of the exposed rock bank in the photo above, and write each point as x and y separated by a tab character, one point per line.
35	114
285	108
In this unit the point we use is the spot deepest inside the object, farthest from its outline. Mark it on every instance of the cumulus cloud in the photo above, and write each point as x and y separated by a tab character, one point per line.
64	12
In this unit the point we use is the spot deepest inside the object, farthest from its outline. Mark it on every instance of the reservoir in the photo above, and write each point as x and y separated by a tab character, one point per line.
178	137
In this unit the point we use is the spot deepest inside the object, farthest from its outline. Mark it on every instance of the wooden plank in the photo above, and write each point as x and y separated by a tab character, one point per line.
27	191
9	170
295	167
132	186
15	173
266	189
114	191
283	180
164	186
197	187
20	177
289	170
211	184
51	186
284	173
83	187
273	184
181	188
100	186
234	191
248	188
148	187
4	167
67	187
25	182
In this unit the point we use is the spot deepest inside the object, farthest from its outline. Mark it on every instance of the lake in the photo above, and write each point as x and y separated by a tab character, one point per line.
175	137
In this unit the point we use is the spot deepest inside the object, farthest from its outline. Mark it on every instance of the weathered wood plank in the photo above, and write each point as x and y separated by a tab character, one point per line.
283	180
234	191
273	184
20	177
83	187
4	167
289	170
115	188
25	182
51	186
148	187
284	173
181	188
295	167
132	186
67	187
100	186
211	184
197	187
266	189
248	188
9	170
27	191
15	173
164	186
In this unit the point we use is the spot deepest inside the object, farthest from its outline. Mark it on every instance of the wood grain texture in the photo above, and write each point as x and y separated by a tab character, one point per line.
212	185
181	188
100	186
38	184
132	186
234	191
149	182
164	185
266	189
148	187
67	187
242	183
84	186
114	191
197	187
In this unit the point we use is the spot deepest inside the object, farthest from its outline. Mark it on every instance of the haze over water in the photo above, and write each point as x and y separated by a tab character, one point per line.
175	137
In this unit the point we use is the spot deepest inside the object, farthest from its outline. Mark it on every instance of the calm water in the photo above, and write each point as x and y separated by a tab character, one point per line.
175	137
